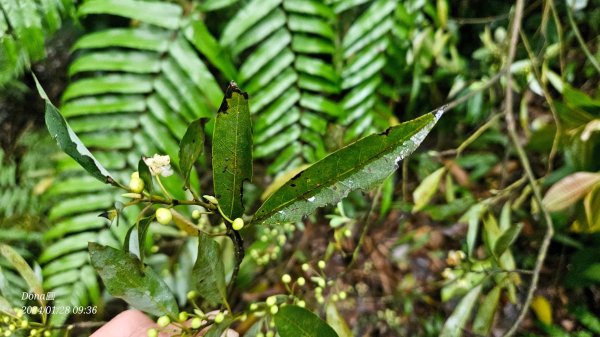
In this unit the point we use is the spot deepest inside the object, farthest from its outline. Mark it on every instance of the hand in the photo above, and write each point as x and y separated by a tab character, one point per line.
133	323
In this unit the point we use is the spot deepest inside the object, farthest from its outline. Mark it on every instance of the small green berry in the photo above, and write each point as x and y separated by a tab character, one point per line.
335	297
237	224
192	294
321	264
286	278
301	281
270	334
305	266
183	316
274	310
163	321
219	317
164	216
196	214
271	300
343	295
47	333
136	184
152	333
196	323
253	307
301	304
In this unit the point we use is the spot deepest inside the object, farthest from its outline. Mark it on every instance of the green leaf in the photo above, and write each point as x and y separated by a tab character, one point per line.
209	272
69	142
24	270
232	151
190	148
5	307
336	321
294	321
484	319
472	217
145	175
506	239
426	190
361	165
126	278
142	230
456	322
252	13
161	14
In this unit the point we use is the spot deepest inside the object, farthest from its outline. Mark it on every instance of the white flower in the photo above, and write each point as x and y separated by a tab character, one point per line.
159	165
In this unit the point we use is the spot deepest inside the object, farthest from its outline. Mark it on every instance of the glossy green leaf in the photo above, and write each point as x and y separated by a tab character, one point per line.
23	268
472	217
361	165
310	7
426	190
132	62
126	278
117	83
209	272
455	323
506	239
482	325
162	14
372	17
259	32
190	148
294	321
232	151
69	142
145	175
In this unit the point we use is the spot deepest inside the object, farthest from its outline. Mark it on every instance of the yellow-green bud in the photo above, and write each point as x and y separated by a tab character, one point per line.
152	333
301	281
183	316
196	323
301	304
270	334
196	214
253	306
24	324
321	264
219	317
271	300
33	332
192	294
211	199
163	321
305	266
286	278
237	224
164	216
274	310
47	333
136	184
343	295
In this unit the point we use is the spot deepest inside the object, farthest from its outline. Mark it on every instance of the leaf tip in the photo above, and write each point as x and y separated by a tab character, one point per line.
40	89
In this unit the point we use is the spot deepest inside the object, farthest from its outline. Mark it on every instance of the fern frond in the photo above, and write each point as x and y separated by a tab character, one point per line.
288	51
24	27
134	91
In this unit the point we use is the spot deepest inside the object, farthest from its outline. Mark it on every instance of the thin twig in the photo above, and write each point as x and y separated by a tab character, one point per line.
587	52
511	126
366	228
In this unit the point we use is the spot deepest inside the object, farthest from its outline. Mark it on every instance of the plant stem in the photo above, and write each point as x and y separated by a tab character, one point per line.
366	228
239	253
587	52
511	126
